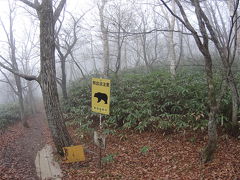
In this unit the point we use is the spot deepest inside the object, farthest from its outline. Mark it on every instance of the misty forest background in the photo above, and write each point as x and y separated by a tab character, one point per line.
173	65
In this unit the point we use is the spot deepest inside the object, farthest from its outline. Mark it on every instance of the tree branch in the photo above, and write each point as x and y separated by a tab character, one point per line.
58	11
25	76
151	31
6	61
34	5
184	21
8	82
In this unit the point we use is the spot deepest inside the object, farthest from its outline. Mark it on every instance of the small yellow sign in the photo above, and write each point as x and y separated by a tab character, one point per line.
101	95
74	154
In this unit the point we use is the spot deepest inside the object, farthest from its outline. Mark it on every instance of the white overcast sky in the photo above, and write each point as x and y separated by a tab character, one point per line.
22	20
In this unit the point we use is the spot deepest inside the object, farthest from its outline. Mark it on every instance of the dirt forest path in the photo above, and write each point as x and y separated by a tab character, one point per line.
19	146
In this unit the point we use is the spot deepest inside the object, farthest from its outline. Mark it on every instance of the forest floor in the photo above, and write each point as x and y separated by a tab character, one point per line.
19	146
151	155
128	155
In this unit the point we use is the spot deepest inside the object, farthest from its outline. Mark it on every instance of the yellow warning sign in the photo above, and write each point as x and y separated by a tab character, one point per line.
100	95
74	154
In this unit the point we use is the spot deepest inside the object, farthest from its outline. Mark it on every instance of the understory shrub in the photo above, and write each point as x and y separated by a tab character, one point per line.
8	115
150	101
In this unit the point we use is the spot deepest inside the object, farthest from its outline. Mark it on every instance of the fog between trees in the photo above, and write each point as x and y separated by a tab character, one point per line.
107	37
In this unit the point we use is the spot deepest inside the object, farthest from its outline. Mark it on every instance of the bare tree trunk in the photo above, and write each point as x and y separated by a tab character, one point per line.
209	150
119	51
104	30
235	103
80	69
203	45
221	40
172	53
125	56
15	67
31	98
172	56
171	45
47	78
64	79
19	88
230	77
19	93
20	100
181	49
227	55
212	128
93	57
144	49
68	43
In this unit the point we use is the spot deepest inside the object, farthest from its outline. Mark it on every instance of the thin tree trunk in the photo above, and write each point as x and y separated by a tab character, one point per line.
31	98
105	41
203	45
234	130
226	57
93	57
172	53
17	78
144	41
125	56
230	77
207	153
119	51
209	150
64	79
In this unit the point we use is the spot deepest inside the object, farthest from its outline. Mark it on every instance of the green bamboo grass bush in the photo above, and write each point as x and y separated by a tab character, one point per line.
150	101
9	114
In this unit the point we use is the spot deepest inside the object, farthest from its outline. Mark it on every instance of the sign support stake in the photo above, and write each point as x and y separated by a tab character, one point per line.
100	121
100	158
100	149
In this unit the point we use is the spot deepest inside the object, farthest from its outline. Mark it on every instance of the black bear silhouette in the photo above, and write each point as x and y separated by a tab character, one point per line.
101	96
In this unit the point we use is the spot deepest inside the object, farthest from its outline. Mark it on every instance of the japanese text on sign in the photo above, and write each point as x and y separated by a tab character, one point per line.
100	95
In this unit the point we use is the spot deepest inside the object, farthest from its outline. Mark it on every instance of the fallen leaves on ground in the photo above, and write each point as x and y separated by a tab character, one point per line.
130	155
19	146
174	156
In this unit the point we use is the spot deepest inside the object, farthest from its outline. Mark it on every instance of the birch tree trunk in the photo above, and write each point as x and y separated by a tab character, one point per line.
144	49
105	41
172	52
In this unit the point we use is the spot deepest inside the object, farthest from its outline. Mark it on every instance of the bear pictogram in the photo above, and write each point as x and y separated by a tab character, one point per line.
101	96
